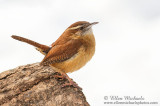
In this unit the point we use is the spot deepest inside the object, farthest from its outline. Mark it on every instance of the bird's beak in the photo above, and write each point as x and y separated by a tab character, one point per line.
87	28
93	23
89	25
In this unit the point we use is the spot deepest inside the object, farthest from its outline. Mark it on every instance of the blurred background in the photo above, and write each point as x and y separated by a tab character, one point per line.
127	58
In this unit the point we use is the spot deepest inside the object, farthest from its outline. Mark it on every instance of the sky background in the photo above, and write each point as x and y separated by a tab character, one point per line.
127	57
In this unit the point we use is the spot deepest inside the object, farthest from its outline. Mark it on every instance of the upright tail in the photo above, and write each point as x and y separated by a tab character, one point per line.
44	48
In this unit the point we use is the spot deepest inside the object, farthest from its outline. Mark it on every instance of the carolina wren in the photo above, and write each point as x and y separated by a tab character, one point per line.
71	51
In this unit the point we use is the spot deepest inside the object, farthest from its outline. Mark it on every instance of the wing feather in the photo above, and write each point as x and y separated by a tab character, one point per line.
60	53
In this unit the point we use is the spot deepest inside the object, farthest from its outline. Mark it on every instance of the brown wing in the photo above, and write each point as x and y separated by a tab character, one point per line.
60	53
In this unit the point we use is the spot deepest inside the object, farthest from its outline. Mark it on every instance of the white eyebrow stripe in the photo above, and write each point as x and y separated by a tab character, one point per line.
76	27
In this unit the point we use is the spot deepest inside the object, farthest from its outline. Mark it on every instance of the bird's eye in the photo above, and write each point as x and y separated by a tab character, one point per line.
81	28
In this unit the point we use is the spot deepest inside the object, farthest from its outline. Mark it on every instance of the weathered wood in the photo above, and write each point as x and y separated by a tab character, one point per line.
35	85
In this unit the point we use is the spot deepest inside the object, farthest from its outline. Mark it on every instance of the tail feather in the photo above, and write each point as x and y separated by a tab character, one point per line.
33	43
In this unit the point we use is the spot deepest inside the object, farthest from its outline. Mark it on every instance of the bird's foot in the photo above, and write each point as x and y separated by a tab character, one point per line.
70	81
59	77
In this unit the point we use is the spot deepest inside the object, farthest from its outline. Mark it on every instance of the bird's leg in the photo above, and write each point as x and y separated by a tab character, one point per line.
59	76
70	83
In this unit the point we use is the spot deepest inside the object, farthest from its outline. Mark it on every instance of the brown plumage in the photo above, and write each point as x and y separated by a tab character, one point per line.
33	43
71	51
60	53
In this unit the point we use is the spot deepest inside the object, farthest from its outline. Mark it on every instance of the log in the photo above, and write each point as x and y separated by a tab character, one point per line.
35	85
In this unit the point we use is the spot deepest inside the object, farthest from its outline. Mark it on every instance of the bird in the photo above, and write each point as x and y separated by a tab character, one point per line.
71	51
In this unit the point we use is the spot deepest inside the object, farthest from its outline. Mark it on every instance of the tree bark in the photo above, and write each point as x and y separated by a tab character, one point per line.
35	85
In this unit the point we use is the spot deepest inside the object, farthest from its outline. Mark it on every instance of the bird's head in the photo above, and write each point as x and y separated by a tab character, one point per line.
81	28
